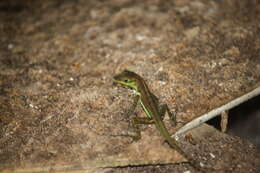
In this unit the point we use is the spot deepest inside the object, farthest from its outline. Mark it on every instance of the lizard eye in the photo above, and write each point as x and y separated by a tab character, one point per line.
127	80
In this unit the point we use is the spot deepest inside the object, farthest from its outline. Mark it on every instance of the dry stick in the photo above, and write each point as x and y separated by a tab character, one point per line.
205	117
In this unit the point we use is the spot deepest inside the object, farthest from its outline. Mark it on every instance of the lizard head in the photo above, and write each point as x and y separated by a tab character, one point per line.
128	78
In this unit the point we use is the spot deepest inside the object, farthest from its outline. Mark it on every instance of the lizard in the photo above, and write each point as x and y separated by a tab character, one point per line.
154	112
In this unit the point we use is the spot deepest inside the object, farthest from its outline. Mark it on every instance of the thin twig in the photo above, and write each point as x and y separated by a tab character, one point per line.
215	112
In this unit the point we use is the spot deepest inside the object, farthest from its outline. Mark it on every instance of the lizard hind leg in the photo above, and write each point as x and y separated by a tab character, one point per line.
163	109
134	122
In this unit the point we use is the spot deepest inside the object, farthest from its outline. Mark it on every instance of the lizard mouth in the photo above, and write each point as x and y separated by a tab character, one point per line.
118	82
122	84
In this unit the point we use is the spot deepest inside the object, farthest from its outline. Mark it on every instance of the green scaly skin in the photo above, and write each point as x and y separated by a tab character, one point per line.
154	112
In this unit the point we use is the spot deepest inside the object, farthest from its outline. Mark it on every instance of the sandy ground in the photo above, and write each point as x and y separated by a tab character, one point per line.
59	107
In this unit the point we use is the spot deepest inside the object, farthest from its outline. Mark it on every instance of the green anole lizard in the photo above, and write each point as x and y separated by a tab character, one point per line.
154	112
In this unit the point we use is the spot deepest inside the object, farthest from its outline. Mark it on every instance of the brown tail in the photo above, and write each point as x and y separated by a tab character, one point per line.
196	164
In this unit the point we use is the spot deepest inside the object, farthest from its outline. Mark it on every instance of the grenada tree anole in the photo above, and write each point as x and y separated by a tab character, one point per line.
154	112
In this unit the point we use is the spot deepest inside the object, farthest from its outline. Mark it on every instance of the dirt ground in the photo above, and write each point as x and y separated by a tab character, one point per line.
59	109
